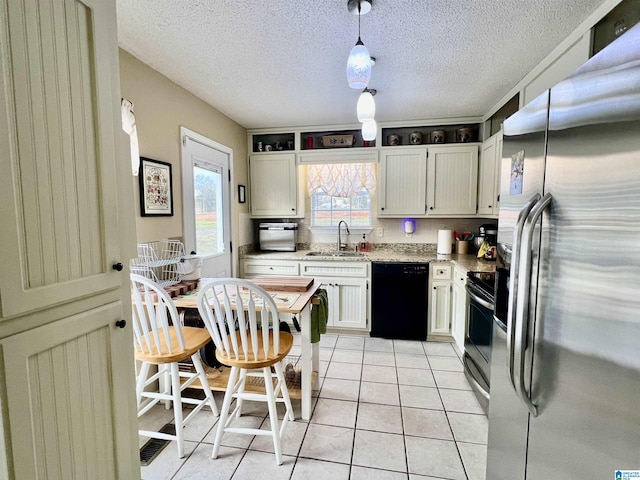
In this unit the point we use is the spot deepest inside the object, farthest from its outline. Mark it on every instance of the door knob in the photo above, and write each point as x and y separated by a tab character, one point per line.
121	323
117	266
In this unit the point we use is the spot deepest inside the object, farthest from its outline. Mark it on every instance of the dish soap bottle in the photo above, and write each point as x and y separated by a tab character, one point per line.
364	246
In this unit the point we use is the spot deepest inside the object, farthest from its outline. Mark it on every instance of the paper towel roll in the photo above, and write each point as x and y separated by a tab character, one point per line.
445	240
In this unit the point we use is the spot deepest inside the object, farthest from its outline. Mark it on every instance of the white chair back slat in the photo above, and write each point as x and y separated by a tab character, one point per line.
264	318
227	293
210	303
154	314
242	320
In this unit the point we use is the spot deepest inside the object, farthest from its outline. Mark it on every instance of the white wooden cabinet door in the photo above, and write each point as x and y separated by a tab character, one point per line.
347	302
402	182
459	309
274	185
68	409
65	386
489	176
440	307
452	180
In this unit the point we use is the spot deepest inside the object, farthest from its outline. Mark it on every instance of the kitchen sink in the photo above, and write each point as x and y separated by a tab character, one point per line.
336	254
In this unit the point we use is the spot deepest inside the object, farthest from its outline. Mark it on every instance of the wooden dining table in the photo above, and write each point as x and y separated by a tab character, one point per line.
289	298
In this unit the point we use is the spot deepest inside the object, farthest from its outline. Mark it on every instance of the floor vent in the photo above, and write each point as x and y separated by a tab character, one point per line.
154	446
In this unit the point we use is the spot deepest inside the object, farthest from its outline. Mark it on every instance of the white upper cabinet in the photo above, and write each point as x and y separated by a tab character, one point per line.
489	176
402	186
452	180
274	185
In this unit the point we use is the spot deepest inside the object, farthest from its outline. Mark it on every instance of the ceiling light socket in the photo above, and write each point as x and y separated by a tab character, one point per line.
365	6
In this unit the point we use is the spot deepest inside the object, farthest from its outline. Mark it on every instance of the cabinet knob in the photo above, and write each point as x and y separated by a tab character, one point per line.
382	208
293	209
430	208
117	266
490	206
435	288
121	323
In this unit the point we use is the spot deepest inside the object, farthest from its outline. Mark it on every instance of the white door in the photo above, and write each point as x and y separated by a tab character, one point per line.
207	202
66	349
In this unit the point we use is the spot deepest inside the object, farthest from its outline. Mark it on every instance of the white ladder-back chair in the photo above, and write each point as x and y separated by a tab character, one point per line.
243	321
160	339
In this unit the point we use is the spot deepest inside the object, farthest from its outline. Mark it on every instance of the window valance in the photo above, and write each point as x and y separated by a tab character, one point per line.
341	179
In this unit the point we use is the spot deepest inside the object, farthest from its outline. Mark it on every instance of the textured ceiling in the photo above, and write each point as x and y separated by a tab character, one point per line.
279	63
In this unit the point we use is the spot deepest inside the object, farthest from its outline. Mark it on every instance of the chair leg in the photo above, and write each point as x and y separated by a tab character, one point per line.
142	378
224	412
273	413
285	391
205	383
165	383
243	381
177	408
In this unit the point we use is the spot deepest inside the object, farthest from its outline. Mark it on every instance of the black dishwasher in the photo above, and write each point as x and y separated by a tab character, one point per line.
399	300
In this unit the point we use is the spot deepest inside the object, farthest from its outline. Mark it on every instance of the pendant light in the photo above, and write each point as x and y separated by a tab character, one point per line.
369	130
366	106
359	62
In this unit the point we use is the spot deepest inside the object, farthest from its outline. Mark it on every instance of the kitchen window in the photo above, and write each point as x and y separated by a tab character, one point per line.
341	191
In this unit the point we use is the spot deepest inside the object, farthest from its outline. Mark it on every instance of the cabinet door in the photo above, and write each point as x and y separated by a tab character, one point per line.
350	303
459	315
347	302
440	308
402	182
452	180
68	388
489	176
274	185
68	391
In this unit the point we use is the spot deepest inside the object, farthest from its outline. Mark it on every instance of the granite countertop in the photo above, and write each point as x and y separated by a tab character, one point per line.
469	262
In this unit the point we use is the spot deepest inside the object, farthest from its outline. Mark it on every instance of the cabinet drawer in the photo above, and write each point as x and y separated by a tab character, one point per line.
440	271
334	269
459	277
251	268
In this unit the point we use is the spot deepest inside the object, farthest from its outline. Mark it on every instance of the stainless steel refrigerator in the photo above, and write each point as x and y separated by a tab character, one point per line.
565	362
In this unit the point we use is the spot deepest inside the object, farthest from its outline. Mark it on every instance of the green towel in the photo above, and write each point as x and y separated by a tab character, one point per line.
319	315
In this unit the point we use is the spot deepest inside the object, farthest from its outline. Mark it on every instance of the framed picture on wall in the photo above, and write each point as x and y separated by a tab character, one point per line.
156	188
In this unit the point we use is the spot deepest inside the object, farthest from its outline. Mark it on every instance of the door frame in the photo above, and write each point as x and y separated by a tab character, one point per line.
188	222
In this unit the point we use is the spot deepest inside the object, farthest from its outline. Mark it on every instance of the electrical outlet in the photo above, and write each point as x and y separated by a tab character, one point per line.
380	231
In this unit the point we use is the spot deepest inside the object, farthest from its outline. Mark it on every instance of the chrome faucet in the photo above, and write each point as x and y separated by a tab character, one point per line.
342	246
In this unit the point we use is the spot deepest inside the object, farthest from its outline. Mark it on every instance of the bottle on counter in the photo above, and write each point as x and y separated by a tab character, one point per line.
364	246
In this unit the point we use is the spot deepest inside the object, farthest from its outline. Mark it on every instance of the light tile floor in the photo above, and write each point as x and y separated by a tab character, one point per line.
386	410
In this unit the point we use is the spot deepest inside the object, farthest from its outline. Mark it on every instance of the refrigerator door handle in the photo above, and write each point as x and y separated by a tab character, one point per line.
513	284
523	304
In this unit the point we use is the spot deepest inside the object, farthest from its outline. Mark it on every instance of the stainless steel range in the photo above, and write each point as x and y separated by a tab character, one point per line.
477	342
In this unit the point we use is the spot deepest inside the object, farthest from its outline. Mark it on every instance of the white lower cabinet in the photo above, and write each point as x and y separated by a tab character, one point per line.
346	283
347	286
347	302
459	307
440	300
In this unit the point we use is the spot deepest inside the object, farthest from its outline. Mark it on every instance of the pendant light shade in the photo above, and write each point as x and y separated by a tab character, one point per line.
359	66
366	107
369	129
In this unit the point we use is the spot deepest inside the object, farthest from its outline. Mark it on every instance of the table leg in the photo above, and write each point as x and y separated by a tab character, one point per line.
308	359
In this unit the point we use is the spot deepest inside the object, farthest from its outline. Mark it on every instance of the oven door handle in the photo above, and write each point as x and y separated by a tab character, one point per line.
524	298
479	300
513	285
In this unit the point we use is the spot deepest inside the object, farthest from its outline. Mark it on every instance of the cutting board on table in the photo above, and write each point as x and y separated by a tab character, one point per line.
283	284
